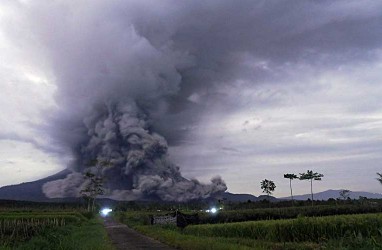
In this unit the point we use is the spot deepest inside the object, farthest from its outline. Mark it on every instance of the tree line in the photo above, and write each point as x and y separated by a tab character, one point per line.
269	186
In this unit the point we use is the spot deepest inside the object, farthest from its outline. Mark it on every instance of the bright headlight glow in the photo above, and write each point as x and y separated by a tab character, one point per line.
106	211
213	210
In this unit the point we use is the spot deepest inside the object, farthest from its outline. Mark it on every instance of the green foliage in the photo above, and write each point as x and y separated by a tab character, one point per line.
309	175
88	235
290	176
89	214
354	242
26	214
93	188
94	182
267	186
285	213
50	230
30	206
136	218
379	178
19	227
174	237
314	229
329	232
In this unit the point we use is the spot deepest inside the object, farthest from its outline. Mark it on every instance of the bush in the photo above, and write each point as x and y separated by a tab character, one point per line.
88	215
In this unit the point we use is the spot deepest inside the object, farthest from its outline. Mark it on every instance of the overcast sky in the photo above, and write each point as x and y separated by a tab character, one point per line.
251	89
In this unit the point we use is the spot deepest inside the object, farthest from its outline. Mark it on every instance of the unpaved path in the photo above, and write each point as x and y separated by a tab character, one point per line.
124	237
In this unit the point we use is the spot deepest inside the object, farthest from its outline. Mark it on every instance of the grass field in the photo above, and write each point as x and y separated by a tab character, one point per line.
51	230
239	215
319	227
351	231
314	229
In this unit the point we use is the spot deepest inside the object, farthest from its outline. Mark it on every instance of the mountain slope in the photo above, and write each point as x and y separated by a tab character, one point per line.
238	197
245	197
30	191
336	194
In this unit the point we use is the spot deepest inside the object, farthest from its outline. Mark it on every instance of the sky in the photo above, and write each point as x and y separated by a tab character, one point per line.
246	90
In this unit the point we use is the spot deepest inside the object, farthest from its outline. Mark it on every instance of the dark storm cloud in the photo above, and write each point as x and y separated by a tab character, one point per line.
127	71
200	46
259	41
29	140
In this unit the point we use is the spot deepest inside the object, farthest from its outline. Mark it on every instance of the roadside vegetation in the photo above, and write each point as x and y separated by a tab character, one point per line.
348	225
36	229
240	215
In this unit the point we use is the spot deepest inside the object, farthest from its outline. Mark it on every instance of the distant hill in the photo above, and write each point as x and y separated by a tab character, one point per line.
335	194
238	197
245	197
30	191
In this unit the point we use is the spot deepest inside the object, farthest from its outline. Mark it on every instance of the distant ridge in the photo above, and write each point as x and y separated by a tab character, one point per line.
325	195
30	191
245	197
238	197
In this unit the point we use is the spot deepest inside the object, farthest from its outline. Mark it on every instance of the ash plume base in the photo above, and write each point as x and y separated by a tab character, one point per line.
137	167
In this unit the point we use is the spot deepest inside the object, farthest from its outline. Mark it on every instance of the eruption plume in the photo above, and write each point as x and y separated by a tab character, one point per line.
116	80
139	167
229	84
131	73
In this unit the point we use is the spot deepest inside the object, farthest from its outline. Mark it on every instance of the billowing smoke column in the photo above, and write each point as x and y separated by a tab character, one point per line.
131	73
127	71
138	166
116	80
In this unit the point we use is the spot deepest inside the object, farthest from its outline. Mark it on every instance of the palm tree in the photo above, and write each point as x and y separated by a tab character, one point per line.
290	177
380	177
310	176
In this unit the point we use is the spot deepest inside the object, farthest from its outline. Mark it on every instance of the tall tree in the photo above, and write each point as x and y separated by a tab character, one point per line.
92	189
290	177
94	183
310	176
379	178
268	187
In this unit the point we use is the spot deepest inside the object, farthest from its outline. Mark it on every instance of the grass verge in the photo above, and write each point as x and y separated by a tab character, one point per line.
89	235
174	237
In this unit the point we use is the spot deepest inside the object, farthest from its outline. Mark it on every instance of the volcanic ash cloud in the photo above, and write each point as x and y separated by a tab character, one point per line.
139	166
121	78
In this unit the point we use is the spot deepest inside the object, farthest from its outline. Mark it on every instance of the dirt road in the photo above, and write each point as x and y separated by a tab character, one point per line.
124	237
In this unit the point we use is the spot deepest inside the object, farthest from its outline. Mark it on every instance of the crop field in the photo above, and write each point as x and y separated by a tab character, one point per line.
239	215
50	230
340	227
343	226
313	229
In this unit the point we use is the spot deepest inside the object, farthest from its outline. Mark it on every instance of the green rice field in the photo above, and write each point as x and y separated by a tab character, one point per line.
349	231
